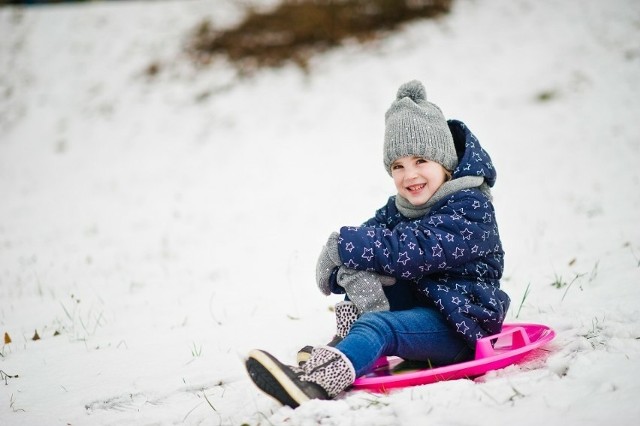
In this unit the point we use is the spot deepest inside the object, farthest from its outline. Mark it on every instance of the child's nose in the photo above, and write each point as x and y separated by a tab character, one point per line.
412	172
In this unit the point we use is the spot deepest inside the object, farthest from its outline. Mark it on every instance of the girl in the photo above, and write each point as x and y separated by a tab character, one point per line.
425	269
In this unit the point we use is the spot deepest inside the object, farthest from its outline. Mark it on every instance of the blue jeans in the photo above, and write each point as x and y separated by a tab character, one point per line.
416	332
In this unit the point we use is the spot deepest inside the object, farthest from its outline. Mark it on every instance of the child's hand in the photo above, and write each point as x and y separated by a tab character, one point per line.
329	260
386	280
365	289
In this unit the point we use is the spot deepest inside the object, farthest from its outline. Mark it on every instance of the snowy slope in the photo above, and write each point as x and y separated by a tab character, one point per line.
163	226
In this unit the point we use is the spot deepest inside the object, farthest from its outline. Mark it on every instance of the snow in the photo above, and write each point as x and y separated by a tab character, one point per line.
166	225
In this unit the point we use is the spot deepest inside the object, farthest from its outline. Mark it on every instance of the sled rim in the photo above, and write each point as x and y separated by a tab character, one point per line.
525	338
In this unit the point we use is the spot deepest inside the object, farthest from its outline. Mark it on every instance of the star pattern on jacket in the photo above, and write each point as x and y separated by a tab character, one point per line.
453	253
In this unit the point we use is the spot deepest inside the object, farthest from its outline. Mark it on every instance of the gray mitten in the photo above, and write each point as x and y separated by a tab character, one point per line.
365	289
329	259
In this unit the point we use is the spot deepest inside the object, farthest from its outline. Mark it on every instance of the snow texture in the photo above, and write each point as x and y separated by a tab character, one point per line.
155	228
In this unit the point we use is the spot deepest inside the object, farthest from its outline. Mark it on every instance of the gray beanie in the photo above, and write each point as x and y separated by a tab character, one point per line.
414	126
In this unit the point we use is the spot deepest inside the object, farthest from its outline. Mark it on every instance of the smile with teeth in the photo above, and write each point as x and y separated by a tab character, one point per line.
415	188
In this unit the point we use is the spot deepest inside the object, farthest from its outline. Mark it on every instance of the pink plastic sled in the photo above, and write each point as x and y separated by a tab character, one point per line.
493	352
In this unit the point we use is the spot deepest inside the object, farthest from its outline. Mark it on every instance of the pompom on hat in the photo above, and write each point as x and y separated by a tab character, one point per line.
416	127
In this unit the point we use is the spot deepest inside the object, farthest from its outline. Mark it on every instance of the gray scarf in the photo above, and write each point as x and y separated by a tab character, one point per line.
465	182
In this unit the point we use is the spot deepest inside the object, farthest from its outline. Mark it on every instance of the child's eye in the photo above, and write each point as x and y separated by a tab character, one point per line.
396	167
421	160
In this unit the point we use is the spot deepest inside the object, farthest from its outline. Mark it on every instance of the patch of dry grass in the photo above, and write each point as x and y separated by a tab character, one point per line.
296	29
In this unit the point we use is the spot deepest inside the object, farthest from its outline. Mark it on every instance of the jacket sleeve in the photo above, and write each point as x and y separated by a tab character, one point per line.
455	232
385	216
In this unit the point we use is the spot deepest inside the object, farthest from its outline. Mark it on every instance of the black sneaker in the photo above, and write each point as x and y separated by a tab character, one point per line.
281	381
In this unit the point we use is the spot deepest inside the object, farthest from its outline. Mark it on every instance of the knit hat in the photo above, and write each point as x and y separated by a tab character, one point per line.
414	126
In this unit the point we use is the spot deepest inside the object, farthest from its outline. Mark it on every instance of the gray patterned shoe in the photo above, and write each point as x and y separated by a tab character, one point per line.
327	373
346	315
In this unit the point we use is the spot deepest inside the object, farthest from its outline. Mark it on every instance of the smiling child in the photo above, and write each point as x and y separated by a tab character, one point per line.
422	277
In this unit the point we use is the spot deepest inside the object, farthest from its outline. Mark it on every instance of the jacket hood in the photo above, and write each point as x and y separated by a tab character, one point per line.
473	160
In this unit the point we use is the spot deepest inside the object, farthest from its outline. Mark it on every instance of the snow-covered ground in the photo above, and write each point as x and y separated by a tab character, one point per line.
155	229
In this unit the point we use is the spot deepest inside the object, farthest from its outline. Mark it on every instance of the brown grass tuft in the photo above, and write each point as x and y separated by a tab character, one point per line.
297	29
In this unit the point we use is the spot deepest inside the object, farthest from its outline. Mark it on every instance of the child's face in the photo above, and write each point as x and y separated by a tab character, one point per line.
417	179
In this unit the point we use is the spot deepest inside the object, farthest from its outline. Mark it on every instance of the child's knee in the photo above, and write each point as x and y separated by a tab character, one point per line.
375	321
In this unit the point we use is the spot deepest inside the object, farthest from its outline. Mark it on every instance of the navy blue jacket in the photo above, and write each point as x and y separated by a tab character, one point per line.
453	253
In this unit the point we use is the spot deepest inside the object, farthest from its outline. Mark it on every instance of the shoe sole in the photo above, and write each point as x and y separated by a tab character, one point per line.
268	374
